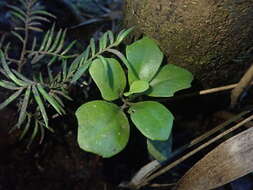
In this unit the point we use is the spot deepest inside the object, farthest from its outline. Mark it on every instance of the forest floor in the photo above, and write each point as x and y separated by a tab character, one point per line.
59	164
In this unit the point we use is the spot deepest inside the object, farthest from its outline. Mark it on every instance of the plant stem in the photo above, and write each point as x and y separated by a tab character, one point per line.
22	59
241	86
125	104
53	54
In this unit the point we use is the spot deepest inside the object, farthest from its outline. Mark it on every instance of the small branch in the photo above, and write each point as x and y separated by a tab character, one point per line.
24	51
241	86
162	185
204	92
13	60
125	104
53	54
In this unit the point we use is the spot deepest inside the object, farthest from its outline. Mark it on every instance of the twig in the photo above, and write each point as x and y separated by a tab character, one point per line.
26	29
13	60
218	89
175	163
146	171
162	185
53	54
241	86
204	92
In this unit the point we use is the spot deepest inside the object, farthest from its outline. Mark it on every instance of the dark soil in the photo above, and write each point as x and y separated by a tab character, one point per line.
59	163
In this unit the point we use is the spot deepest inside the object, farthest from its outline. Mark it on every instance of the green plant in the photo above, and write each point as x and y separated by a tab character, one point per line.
103	126
41	95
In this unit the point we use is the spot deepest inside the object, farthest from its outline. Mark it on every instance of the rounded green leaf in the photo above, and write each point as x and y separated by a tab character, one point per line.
153	119
103	128
137	86
109	77
145	58
169	80
160	150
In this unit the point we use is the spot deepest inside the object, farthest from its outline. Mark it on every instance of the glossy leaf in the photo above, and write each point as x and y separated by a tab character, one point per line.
169	80
153	119
109	77
160	150
145	58
137	86
103	128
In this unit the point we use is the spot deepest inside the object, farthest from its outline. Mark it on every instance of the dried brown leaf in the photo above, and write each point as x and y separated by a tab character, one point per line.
229	161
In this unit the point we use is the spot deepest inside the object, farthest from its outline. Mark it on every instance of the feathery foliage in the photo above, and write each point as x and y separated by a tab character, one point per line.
33	92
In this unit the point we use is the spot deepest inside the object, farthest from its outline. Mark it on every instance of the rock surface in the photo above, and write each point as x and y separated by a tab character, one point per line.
200	35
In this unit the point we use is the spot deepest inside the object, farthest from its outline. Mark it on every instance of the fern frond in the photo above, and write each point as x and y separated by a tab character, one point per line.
23	78
122	35
81	70
103	41
19	16
31	15
34	97
77	63
52	45
63	94
54	103
38	91
8	72
106	43
42	13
